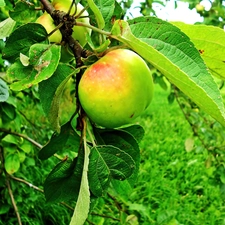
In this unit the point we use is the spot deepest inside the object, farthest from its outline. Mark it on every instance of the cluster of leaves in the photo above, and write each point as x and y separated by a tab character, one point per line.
91	159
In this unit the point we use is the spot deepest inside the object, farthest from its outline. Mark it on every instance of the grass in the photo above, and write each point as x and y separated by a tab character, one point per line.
174	186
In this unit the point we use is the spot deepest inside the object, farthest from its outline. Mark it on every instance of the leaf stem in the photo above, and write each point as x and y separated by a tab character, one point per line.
91	136
93	28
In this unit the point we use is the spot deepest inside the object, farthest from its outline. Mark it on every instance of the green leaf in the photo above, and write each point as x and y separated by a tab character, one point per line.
107	162
23	12
126	141
107	9
50	92
2	3
8	110
136	131
4	92
23	38
12	163
98	16
209	40
6	27
173	54
64	180
10	139
67	140
83	202
44	60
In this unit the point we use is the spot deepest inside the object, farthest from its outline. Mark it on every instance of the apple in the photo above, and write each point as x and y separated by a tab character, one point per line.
79	32
46	20
116	89
199	8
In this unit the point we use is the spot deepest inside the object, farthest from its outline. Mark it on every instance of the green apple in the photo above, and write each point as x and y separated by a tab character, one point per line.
48	23
116	89
199	8
79	32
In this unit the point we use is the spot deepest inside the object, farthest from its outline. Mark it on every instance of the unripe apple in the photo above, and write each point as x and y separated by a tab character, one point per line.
48	23
199	8
79	32
116	89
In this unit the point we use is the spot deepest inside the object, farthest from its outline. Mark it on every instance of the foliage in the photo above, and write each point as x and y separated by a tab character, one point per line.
47	140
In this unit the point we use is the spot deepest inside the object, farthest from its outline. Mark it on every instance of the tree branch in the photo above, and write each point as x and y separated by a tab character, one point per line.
21	135
13	201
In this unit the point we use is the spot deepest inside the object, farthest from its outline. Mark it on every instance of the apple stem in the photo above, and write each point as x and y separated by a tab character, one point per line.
93	28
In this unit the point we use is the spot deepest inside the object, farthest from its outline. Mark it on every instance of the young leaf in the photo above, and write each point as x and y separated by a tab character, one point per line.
2	3
67	140
98	16
22	38
63	182
4	92
209	40
12	163
44	60
6	27
50	92
171	52
83	202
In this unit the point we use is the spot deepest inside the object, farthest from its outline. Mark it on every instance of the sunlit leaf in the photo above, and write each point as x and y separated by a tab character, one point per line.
43	61
4	92
12	163
98	16
173	54
83	202
6	27
209	40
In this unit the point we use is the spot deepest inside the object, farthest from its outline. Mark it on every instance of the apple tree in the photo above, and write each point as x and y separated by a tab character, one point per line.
83	72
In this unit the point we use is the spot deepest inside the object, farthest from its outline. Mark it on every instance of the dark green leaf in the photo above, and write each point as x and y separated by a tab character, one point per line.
136	131
67	140
126	140
23	12
50	93
123	140
23	38
108	162
8	110
63	183
4	92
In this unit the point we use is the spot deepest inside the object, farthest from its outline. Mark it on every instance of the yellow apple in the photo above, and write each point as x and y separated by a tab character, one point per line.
48	23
